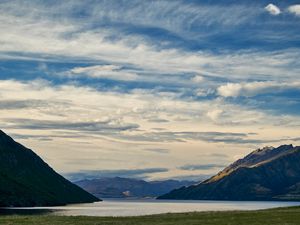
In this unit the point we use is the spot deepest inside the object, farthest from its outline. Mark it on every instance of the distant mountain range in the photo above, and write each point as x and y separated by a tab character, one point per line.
26	180
265	174
118	187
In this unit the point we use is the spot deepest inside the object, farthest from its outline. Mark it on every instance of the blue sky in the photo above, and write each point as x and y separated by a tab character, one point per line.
92	86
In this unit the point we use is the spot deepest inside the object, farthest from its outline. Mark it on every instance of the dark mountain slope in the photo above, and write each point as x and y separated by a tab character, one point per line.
118	187
26	180
265	174
254	158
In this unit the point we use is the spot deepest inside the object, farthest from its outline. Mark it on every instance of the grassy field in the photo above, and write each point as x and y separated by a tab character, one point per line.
281	216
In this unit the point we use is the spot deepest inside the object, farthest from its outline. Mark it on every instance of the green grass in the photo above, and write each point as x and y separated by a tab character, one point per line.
280	216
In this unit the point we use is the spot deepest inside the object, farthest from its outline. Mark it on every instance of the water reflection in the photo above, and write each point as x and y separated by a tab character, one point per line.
117	207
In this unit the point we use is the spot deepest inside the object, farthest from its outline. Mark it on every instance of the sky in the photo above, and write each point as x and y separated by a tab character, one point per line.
149	89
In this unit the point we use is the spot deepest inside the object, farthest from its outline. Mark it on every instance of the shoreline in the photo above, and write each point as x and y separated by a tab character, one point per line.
276	216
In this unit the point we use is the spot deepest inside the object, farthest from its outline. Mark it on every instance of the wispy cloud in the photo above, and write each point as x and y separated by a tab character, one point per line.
81	82
158	150
28	103
255	88
90	126
69	39
202	166
213	137
112	72
133	173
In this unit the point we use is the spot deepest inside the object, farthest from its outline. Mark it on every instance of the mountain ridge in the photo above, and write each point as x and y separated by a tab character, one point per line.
264	174
121	187
26	180
252	159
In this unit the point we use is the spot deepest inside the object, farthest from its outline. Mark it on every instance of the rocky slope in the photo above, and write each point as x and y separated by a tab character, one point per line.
265	174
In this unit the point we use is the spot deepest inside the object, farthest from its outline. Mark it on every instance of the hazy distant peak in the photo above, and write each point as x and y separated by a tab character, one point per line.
121	187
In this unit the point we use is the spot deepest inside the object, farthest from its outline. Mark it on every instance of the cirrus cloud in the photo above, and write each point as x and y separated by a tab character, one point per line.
122	81
112	72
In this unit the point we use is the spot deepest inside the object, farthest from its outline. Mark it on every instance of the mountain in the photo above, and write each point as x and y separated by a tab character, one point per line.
118	187
265	174
26	180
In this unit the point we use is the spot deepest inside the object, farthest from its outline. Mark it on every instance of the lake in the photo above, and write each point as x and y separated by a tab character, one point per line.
120	207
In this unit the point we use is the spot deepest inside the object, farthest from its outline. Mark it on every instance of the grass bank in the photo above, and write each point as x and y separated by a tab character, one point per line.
280	216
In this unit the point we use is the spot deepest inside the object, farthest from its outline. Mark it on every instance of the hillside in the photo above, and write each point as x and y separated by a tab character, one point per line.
118	187
26	180
265	174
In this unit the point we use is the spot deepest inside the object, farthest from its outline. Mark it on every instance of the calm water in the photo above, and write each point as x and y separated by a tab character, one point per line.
111	207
